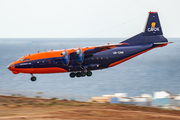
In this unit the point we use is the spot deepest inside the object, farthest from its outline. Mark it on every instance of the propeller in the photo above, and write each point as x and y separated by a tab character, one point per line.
65	58
79	55
64	53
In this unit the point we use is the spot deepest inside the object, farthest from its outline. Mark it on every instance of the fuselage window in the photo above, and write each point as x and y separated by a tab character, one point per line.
38	62
97	58
49	61
101	58
106	57
92	58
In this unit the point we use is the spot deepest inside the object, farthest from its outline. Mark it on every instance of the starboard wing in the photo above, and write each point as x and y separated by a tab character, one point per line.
101	48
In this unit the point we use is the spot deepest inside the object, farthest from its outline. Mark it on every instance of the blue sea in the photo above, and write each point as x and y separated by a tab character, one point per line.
155	70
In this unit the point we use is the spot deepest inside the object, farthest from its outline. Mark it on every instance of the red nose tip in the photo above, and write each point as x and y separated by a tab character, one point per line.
9	67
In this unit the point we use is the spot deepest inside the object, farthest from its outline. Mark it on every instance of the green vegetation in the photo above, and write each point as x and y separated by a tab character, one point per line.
54	98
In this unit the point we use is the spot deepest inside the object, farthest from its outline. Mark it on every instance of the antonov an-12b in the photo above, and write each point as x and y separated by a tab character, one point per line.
81	61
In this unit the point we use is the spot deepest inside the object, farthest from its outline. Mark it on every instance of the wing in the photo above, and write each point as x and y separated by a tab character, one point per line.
86	52
100	48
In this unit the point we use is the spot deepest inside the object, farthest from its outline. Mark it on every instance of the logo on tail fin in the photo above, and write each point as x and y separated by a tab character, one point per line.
153	27
153	24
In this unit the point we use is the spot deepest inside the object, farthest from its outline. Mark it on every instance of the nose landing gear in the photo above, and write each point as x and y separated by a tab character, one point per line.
80	74
33	78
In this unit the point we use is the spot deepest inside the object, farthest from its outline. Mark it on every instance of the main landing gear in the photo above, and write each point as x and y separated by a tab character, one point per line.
33	78
72	75
80	74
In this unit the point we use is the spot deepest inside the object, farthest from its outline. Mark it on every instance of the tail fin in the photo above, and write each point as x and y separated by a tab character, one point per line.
151	34
153	26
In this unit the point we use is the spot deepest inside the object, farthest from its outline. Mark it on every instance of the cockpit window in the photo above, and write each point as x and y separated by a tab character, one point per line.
24	59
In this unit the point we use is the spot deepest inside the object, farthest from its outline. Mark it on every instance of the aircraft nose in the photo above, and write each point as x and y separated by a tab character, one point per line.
9	66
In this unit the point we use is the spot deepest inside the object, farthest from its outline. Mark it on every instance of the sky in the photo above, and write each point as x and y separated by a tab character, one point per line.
85	18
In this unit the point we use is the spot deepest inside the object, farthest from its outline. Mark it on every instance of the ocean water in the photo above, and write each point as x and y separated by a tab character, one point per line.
156	70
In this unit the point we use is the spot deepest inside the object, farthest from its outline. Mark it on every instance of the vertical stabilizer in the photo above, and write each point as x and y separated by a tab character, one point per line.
152	32
153	26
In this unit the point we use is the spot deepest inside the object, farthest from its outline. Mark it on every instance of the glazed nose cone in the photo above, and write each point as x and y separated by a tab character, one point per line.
9	67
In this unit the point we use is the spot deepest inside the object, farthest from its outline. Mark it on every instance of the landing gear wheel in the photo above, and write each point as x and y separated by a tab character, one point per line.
89	73
78	74
33	78
83	74
72	75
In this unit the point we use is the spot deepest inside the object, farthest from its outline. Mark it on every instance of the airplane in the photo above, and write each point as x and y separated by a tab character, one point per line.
81	61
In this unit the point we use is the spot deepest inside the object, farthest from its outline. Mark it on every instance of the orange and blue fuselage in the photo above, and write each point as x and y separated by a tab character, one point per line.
53	61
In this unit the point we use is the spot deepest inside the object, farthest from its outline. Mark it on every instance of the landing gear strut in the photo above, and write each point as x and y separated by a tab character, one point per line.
80	74
33	78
